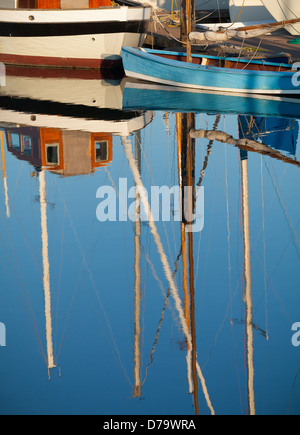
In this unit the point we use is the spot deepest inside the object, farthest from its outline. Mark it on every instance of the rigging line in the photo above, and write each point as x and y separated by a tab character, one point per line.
198	258
161	318
282	203
21	166
219	10
255	53
199	244
269	282
94	286
161	287
78	281
283	252
209	148
210	232
163	223
174	291
293	387
26	240
132	225
240	13
239	281
269	209
240	53
156	19
228	230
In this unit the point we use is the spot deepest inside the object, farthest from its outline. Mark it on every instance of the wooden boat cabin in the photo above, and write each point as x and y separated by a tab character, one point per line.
54	4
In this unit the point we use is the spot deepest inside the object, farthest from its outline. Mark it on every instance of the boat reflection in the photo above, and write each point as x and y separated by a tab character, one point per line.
65	122
186	154
147	96
66	127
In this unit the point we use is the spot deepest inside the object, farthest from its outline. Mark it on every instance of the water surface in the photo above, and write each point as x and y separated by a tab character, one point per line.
93	324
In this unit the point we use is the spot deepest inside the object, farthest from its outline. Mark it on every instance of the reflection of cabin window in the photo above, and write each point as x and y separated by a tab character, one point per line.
52	154
27	145
15	141
101	148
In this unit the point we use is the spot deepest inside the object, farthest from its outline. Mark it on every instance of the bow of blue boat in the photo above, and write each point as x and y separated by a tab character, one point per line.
157	66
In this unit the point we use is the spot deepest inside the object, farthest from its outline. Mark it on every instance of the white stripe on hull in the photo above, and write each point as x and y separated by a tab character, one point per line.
209	88
99	46
119	128
123	13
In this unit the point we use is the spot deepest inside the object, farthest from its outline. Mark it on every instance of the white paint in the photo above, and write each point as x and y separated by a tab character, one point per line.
119	128
75	16
209	88
78	47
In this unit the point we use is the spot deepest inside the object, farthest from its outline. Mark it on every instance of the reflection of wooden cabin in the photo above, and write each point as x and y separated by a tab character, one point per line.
67	153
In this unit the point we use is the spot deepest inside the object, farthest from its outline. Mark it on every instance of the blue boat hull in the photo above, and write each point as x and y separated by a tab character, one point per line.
144	65
147	96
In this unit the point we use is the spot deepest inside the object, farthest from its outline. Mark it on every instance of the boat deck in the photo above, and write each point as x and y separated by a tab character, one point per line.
167	36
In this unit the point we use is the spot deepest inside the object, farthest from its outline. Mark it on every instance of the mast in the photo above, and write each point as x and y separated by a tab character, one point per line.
163	258
191	184
4	175
187	16
248	282
184	250
46	270
186	160
137	283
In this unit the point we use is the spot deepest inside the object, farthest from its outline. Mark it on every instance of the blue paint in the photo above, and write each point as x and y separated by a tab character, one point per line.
159	69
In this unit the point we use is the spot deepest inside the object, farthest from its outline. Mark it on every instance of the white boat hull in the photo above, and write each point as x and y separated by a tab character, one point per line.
86	91
90	38
123	127
283	10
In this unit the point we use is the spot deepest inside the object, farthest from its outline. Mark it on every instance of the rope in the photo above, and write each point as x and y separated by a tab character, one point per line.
236	20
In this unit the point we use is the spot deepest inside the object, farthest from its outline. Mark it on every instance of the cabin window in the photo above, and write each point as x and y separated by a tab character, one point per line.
27	4
52	154
101	150
26	145
39	4
15	141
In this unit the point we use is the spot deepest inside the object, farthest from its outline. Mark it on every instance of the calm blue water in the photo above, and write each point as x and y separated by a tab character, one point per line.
91	324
